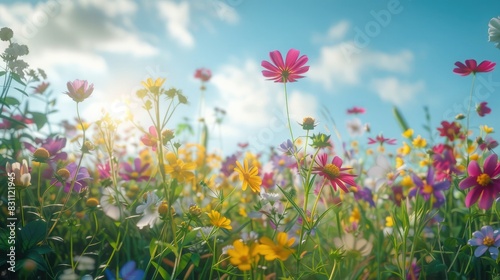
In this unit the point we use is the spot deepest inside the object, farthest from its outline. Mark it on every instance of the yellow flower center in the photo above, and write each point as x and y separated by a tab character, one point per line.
331	170
177	169
483	179
427	189
134	174
281	162
488	241
41	153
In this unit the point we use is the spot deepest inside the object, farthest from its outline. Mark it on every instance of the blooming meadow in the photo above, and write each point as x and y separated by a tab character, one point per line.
78	202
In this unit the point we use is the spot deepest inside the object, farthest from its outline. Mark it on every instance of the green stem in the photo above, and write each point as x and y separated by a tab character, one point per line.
468	117
288	114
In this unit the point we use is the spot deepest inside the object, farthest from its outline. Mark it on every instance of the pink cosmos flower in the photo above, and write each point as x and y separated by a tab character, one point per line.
482	109
334	172
79	90
450	130
203	74
288	71
471	66
150	139
485	183
381	140
356	110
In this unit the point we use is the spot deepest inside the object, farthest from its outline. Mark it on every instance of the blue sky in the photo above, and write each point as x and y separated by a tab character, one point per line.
373	54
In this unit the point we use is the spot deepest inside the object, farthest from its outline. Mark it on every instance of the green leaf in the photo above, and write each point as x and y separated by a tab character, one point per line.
297	208
21	91
40	119
401	120
2	73
17	78
195	259
164	274
32	233
9	100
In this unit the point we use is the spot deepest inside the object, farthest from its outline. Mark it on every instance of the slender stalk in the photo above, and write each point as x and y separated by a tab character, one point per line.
288	113
468	117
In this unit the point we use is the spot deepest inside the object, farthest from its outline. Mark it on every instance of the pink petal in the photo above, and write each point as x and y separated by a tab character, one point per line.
486	66
301	70
270	74
473	196
291	58
301	61
341	185
270	67
468	182
277	59
337	161
490	164
474	169
471	64
486	199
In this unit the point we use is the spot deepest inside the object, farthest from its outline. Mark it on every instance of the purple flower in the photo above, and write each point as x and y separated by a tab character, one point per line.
53	145
127	272
365	194
429	189
138	172
484	185
488	144
287	147
487	240
80	182
280	162
228	165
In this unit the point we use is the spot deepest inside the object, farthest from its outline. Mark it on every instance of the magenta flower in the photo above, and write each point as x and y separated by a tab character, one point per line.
485	186
471	66
356	110
151	139
288	71
203	74
334	172
450	130
79	90
381	140
16	122
486	239
482	109
488	144
444	161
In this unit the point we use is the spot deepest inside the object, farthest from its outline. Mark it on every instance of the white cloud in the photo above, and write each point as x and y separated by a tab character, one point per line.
334	68
338	30
395	91
177	19
255	107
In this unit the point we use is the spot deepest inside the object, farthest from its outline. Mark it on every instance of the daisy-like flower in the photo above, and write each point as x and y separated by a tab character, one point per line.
334	172
349	242
243	256
486	239
178	169
22	176
79	90
150	211
356	110
384	172
153	86
484	184
381	140
288	71
482	109
249	176
203	74
112	202
219	221
494	31
355	127
450	130
471	67
150	139
280	250
138	171
429	189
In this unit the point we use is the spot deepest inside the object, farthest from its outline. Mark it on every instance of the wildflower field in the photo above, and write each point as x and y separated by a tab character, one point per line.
79	202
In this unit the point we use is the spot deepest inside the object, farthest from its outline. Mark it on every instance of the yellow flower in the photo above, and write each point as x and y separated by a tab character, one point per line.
408	133
486	129
243	256
407	182
153	86
419	142
272	251
219	221
405	150
248	176
474	157
389	221
355	216
399	162
178	169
